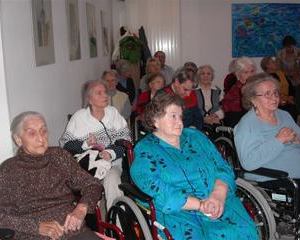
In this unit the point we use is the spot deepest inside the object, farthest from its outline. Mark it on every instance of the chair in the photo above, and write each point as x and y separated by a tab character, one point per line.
268	203
136	221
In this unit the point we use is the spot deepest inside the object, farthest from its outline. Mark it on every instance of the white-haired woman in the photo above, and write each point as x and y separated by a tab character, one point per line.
232	101
92	133
38	184
208	96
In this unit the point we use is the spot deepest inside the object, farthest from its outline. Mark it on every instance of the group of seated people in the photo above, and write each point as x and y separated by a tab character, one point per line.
192	187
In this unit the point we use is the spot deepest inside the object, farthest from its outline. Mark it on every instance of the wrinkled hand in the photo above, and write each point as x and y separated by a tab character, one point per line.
75	219
213	206
91	141
105	155
287	135
51	229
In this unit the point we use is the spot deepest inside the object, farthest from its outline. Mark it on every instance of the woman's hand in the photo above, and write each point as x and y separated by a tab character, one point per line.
213	206
75	219
105	155
51	229
287	135
91	141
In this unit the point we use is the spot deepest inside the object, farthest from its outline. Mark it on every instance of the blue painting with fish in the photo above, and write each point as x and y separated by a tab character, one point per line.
258	29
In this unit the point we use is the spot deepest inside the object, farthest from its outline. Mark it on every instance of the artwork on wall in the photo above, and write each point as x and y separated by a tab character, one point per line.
258	29
91	29
73	29
104	30
43	32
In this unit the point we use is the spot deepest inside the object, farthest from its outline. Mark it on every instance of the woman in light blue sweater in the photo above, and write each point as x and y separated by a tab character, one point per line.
267	136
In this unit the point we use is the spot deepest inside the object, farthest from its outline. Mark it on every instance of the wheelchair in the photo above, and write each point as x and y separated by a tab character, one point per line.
270	203
136	221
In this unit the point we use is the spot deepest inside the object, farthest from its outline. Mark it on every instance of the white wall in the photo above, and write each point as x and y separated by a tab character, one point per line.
53	90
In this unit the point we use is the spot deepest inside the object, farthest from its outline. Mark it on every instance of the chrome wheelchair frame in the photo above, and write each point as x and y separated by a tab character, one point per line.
279	198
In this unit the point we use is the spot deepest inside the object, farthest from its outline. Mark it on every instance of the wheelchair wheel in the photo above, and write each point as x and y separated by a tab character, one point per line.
127	215
258	209
226	147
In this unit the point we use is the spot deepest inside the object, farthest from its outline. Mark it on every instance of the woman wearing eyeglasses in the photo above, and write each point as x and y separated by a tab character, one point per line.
266	136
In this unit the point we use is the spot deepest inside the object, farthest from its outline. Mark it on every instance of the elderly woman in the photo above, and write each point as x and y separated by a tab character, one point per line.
193	188
155	82
208	96
267	136
92	136
152	67
232	101
37	185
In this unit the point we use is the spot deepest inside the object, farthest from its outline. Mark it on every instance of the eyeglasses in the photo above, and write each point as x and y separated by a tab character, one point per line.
269	94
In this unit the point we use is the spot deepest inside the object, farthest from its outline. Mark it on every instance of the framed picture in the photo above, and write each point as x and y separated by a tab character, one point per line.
43	32
104	30
258	28
73	29
91	29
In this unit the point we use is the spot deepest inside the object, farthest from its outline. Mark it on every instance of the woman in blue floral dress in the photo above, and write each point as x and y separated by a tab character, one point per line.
193	188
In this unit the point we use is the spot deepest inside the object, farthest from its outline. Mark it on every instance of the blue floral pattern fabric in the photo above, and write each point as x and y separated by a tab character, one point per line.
171	175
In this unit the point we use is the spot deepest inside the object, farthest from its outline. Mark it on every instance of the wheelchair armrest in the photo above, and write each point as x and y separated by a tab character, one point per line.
6	233
267	172
134	191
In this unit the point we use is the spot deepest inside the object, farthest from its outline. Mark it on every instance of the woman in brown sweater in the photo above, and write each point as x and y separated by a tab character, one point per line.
37	186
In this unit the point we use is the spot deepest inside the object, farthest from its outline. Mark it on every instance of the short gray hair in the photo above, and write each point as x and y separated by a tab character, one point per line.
17	123
87	88
249	90
242	62
200	69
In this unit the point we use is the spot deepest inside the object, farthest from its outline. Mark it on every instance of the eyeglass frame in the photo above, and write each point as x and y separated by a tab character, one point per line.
268	94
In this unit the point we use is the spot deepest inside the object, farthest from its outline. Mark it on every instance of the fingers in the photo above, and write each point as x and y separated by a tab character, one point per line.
212	208
51	229
72	223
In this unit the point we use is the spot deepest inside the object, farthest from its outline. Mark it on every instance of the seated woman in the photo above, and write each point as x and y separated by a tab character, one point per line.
271	65
193	188
232	101
92	133
208	96
152	67
155	82
37	186
267	136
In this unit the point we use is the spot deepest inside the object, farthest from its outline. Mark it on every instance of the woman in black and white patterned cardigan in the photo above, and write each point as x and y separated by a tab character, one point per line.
92	136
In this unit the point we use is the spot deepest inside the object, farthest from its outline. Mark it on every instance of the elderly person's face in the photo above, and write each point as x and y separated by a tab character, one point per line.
156	84
206	76
33	137
153	67
161	57
98	97
183	89
267	97
111	81
248	71
170	125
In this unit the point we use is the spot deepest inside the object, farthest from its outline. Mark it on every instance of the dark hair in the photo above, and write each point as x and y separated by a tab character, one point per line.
264	63
157	108
153	76
288	41
249	90
181	76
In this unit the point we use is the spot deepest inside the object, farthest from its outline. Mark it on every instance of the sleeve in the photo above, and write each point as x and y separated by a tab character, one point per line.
222	169
146	174
253	149
68	141
80	180
122	133
7	204
131	89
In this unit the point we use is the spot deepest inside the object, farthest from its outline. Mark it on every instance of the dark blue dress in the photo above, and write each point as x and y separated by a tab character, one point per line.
170	175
